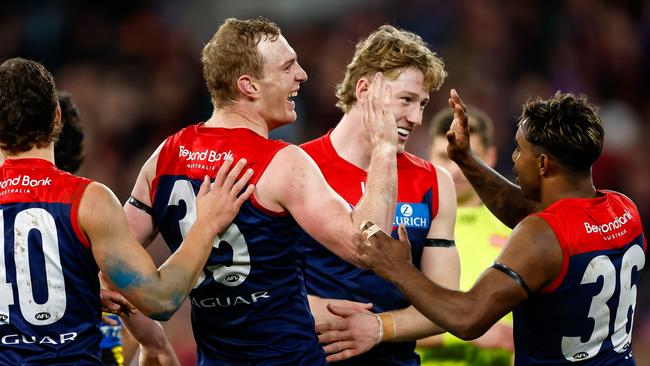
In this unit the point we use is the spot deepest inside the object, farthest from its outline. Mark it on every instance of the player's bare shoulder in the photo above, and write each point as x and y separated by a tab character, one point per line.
98	206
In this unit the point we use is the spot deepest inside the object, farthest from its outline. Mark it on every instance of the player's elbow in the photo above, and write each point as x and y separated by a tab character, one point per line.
470	327
468	332
160	309
161	314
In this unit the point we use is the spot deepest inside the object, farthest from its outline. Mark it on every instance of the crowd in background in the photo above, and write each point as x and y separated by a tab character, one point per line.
134	71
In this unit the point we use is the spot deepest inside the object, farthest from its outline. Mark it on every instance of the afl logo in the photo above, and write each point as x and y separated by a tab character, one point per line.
406	210
42	316
233	277
581	355
4	317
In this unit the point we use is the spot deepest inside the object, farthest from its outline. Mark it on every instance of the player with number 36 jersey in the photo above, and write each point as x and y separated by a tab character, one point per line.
586	312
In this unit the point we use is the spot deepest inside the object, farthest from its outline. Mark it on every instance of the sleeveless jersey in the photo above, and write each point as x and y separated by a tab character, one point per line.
249	306
49	288
586	313
328	276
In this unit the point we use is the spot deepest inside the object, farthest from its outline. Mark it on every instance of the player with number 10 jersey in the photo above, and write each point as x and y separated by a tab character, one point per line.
250	303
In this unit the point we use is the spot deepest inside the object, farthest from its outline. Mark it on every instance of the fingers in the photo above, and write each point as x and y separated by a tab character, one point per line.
348	353
340	310
456	98
231	178
114	302
332	325
245	195
333	336
223	171
109	321
338	346
205	187
241	182
403	234
372	230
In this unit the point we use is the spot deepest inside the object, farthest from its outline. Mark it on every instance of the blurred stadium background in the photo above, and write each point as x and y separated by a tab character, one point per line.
133	68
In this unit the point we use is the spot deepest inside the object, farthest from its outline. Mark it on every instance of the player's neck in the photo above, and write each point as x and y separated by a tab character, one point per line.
350	141
45	153
561	188
238	116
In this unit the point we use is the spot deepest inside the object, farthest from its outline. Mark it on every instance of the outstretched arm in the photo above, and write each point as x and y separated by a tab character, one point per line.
532	251
504	199
159	292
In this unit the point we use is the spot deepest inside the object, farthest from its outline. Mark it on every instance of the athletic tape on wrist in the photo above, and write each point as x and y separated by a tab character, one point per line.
388	326
372	231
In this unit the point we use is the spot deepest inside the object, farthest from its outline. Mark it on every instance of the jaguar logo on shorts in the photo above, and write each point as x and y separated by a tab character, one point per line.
413	215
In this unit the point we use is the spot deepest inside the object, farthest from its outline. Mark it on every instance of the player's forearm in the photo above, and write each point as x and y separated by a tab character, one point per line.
159	292
177	276
147	332
504	199
457	312
378	204
411	325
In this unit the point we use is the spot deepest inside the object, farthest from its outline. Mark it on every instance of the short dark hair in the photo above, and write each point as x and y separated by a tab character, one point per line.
479	123
68	150
565	126
27	106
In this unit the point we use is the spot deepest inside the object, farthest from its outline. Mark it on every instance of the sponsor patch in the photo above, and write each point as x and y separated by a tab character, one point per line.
415	215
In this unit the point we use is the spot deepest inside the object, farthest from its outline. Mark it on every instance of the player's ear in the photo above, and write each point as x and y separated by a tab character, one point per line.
361	88
248	86
543	165
57	114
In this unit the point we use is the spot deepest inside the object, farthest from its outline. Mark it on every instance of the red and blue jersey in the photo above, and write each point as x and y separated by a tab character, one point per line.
49	288
328	276
586	313
249	306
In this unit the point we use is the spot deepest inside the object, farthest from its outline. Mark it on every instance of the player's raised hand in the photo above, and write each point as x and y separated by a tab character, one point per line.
381	253
378	118
218	203
458	147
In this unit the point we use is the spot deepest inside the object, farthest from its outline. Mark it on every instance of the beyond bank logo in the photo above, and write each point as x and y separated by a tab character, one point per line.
414	215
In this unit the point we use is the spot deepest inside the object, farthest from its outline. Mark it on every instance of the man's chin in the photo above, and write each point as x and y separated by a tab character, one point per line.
401	147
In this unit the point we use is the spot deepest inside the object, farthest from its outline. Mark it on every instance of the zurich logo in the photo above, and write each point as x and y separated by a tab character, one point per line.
406	210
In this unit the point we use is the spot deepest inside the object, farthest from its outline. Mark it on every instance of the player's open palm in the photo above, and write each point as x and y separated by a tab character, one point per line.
218	203
381	253
378	118
458	146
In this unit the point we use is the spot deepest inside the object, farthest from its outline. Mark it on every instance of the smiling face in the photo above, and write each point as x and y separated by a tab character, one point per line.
282	76
410	96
